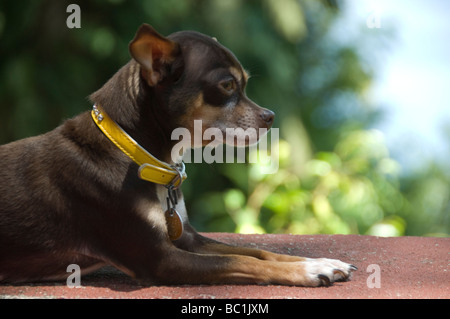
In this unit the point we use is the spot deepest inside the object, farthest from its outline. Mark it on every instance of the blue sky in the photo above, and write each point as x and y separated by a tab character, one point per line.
412	82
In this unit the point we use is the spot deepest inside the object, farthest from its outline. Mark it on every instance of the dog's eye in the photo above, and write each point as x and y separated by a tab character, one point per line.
228	86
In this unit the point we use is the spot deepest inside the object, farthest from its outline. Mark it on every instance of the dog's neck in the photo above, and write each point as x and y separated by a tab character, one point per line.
132	104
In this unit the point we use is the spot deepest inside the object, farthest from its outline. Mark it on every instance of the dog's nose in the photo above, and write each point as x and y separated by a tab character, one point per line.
268	117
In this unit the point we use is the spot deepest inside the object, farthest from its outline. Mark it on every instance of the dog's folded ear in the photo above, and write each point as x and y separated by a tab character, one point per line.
154	53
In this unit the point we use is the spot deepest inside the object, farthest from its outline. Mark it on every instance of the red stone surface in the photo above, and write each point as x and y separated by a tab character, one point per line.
410	267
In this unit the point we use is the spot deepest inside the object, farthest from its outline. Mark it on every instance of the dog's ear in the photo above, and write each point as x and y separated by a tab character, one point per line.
154	53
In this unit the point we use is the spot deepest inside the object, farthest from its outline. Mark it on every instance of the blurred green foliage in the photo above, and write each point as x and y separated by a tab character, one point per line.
335	173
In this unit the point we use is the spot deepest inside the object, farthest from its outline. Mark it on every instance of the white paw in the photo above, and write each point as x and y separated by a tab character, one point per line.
324	271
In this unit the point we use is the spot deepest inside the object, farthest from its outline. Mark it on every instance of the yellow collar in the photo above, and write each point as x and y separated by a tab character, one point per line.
151	169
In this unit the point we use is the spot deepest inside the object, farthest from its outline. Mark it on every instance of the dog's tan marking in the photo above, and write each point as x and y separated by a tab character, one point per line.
247	75
133	80
236	73
153	212
208	114
198	101
240	74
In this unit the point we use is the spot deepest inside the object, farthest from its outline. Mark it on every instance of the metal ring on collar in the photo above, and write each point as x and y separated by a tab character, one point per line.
179	177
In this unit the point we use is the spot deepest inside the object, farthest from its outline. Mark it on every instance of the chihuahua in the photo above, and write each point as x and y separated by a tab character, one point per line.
103	189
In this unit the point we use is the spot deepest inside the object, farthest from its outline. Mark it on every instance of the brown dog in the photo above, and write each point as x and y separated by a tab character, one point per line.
85	193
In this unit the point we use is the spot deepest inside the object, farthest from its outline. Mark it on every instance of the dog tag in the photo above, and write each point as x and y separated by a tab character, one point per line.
174	224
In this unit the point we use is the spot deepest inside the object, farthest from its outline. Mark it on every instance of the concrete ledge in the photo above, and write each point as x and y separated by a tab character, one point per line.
409	267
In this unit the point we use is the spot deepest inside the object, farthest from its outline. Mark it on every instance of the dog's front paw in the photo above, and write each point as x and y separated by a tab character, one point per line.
324	271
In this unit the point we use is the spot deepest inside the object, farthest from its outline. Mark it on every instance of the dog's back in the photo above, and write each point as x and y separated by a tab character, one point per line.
39	178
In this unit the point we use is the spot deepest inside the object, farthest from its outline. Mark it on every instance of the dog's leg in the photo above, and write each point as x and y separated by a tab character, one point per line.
194	242
312	269
178	266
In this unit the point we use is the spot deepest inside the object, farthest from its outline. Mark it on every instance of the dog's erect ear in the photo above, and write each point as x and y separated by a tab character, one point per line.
154	53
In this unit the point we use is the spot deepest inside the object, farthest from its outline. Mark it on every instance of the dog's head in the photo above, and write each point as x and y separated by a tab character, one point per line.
198	79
